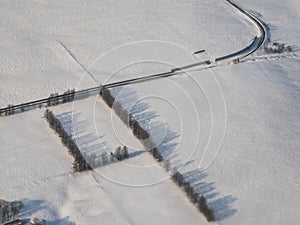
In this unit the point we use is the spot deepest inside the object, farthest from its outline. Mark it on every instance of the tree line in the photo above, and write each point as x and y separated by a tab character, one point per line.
67	96
120	153
9	210
193	196
147	142
137	130
123	114
52	100
9	110
79	163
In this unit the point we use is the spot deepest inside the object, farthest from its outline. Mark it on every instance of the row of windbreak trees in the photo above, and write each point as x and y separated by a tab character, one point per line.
79	163
55	99
52	100
124	115
9	210
9	110
84	162
120	153
193	196
137	130
146	140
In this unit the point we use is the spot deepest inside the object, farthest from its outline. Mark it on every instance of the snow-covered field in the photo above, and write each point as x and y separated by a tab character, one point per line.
37	169
257	164
33	33
232	129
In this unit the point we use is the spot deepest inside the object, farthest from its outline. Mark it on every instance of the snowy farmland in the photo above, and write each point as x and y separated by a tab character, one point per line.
231	129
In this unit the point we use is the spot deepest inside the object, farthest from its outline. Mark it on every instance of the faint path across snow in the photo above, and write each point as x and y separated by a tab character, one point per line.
77	61
256	44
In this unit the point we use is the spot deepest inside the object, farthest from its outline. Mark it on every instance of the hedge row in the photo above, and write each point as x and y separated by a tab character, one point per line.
146	140
9	210
53	99
79	164
123	114
194	197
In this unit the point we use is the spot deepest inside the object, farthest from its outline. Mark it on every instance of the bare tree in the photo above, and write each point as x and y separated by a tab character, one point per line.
203	207
125	152
80	163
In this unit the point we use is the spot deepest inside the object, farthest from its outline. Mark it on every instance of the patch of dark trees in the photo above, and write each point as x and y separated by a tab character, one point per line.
55	99
123	114
120	154
79	163
52	100
9	210
145	139
137	130
276	47
9	110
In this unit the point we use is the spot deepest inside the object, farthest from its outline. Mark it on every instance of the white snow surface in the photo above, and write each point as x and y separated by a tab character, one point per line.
33	33
37	169
233	130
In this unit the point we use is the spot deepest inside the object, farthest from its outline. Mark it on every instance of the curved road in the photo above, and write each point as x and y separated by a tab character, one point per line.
250	49
262	29
254	46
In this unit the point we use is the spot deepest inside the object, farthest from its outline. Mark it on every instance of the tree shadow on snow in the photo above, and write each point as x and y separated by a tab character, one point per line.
164	139
71	123
166	142
31	207
221	206
88	143
136	153
64	221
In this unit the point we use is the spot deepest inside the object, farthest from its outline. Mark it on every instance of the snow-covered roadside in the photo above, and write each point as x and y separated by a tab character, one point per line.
255	172
258	162
139	185
38	171
256	168
35	64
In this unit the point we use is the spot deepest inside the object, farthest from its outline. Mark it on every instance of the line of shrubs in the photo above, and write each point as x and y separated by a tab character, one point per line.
67	96
9	210
137	130
53	99
9	110
193	196
120	153
79	163
146	140
123	114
